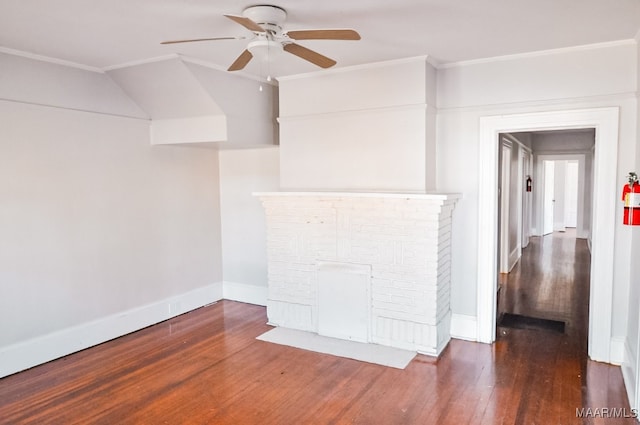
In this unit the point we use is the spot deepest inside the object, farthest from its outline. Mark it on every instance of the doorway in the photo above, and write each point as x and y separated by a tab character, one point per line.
561	195
548	201
545	285
604	201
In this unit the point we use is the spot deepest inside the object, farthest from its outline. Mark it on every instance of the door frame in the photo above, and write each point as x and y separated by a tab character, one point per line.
527	198
547	180
581	158
572	178
505	200
605	121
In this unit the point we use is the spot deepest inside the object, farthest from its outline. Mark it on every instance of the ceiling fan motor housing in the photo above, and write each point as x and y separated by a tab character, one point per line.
270	18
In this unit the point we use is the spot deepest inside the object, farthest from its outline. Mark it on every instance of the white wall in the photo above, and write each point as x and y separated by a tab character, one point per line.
631	366
250	107
42	83
571	79
539	77
193	103
101	233
244	256
359	129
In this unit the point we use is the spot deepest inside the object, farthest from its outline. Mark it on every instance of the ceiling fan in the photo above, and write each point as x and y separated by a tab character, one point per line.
265	22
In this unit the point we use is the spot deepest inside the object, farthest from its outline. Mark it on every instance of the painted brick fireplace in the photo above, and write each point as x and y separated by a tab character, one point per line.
368	267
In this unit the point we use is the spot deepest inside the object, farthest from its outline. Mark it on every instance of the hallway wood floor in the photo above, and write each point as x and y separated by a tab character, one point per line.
206	367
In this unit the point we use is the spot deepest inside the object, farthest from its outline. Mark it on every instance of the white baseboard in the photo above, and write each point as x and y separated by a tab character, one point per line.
629	376
617	350
464	327
514	256
582	234
559	227
250	294
27	354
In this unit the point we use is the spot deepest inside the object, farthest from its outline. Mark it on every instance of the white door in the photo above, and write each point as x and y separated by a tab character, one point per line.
504	209
526	200
548	201
571	195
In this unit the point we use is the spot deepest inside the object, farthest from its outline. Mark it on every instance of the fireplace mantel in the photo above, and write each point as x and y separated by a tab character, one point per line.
383	195
371	267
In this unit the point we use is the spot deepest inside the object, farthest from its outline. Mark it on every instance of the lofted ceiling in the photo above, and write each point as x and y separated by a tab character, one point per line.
107	34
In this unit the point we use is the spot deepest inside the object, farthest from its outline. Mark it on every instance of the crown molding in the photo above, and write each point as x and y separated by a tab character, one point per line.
141	62
539	53
371	65
216	67
49	59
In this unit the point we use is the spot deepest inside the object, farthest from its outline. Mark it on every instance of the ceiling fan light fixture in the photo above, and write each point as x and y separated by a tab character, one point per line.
265	49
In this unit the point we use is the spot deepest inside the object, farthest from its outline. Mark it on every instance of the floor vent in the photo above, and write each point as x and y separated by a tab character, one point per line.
517	321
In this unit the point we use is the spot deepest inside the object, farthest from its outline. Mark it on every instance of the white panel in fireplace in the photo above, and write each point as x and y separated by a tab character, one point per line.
343	300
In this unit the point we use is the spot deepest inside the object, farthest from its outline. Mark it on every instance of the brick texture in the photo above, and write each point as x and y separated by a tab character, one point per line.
405	240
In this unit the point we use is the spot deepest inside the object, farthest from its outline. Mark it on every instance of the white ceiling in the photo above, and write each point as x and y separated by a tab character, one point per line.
105	34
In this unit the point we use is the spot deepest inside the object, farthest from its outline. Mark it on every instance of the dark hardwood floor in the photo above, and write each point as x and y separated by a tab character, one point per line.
206	367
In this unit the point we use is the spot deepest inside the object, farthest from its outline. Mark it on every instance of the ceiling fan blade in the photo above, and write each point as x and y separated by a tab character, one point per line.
202	39
241	61
309	55
246	22
336	34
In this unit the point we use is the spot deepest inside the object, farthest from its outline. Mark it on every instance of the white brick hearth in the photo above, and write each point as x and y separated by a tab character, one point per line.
383	261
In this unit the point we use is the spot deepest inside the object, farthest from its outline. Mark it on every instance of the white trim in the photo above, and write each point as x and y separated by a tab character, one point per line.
514	256
67	108
206	64
27	354
505	200
617	350
141	62
563	152
559	51
464	327
371	65
435	196
542	103
242	292
629	374
605	120
519	203
49	59
398	108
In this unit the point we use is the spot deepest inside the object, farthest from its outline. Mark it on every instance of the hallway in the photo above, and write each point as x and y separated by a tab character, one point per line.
551	281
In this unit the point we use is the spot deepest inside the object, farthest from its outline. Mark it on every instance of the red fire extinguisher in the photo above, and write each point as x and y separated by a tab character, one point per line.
631	198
